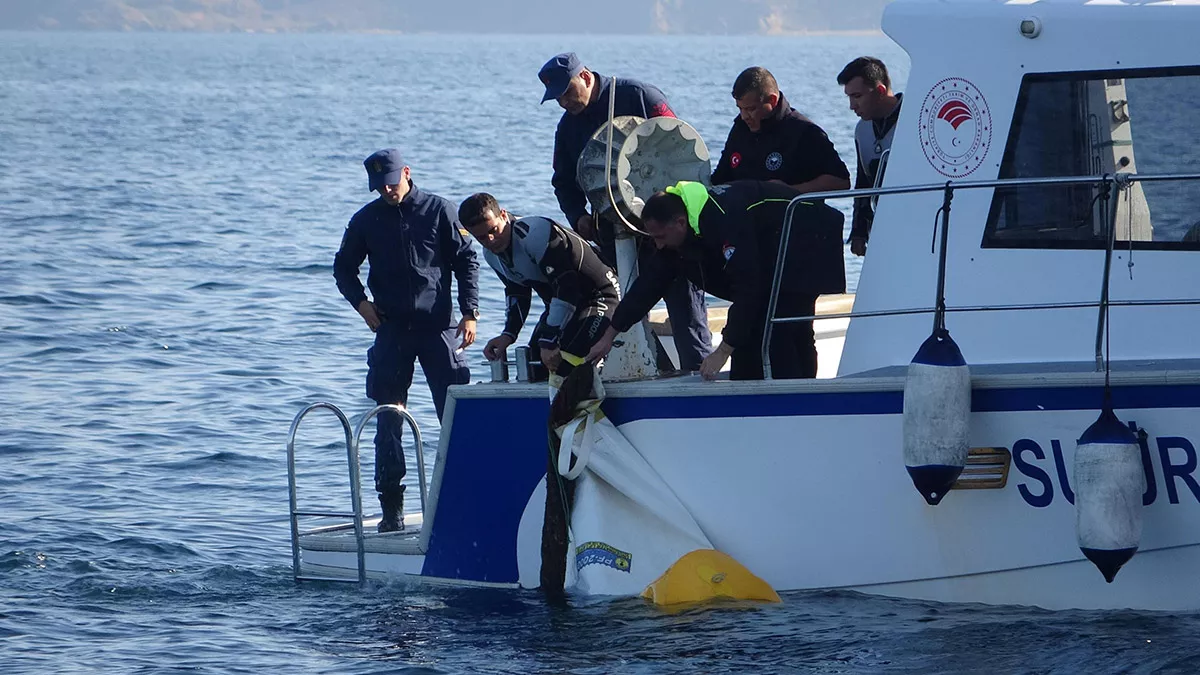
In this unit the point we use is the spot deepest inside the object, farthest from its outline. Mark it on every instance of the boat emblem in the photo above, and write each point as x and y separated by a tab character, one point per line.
774	161
955	127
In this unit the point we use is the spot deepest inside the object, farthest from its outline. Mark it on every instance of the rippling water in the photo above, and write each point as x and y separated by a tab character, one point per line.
170	206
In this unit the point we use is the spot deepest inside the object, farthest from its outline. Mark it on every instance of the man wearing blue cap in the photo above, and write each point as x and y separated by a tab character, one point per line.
414	243
583	95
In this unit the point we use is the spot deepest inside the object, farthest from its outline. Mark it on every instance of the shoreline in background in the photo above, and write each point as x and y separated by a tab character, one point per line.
250	31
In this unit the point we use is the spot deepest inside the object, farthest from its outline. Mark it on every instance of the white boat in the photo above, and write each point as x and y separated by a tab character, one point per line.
1031	112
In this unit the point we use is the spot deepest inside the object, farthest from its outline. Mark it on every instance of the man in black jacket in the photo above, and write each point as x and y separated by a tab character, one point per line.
583	95
725	239
771	141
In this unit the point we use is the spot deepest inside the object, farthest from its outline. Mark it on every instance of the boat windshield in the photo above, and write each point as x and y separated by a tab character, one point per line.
1081	124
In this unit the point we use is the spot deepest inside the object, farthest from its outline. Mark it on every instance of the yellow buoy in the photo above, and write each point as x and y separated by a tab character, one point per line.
705	574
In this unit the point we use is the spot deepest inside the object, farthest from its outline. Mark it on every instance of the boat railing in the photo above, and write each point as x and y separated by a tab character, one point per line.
1110	185
418	445
356	514
352	459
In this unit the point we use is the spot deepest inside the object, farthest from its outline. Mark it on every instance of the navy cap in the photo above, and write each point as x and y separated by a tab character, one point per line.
384	168
557	74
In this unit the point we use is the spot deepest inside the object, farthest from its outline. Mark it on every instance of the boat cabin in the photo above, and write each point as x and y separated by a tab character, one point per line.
1022	90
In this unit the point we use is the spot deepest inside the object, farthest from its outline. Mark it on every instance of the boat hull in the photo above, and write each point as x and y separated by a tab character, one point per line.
804	483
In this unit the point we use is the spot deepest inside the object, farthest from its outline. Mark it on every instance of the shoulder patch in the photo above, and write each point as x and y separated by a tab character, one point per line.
728	251
463	231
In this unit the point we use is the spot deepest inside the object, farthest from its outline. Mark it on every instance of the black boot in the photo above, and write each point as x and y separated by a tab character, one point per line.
392	502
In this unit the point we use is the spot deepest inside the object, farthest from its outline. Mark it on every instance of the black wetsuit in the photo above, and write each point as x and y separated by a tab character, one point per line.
872	138
579	290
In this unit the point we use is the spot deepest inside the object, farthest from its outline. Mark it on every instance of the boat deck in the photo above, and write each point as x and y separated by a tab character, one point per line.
340	538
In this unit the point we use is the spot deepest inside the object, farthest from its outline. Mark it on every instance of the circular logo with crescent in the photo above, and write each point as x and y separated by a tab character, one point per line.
956	127
735	159
774	161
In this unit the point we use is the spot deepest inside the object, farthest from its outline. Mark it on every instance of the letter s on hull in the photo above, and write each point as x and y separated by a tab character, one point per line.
1033	472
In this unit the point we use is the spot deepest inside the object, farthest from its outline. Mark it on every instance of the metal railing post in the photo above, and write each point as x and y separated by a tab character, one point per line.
355	496
405	416
939	312
773	302
1110	196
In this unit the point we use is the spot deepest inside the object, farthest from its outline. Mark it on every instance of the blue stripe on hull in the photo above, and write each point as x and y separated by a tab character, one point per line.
625	410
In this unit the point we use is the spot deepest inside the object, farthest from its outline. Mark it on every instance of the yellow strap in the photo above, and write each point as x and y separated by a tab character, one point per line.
767	201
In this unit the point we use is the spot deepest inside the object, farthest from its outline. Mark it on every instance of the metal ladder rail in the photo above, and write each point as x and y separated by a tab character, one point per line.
355	496
420	446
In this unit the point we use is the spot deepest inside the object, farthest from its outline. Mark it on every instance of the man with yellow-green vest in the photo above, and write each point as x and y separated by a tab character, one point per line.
725	239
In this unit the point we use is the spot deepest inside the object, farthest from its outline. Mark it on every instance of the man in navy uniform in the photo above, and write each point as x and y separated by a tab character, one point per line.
414	243
770	140
583	95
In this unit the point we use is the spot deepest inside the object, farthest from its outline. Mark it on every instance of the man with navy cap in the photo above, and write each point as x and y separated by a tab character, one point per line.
583	95
414	243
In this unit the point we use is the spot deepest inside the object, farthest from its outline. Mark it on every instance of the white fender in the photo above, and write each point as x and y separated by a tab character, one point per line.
1109	482
937	415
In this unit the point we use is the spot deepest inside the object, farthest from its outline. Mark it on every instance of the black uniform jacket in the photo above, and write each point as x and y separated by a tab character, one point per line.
734	256
788	147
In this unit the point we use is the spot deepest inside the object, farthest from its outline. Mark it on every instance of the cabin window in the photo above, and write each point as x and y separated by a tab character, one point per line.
1085	124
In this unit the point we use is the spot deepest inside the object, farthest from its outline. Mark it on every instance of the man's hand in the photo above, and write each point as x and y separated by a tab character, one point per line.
466	331
551	358
858	246
366	309
586	227
603	346
714	362
495	347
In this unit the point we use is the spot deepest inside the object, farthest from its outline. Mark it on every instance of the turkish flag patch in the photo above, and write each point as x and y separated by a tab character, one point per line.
735	160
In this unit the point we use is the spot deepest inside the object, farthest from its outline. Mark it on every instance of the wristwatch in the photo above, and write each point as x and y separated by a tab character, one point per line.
472	314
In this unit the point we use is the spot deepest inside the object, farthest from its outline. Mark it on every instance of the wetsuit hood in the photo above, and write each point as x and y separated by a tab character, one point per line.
695	196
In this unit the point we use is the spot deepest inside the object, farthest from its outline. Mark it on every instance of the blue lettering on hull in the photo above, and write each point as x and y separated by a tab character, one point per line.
1039	471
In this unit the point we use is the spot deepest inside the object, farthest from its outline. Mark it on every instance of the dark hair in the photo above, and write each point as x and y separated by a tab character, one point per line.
869	68
475	207
664	208
755	78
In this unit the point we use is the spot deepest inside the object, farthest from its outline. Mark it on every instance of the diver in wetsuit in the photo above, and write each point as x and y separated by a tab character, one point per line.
536	254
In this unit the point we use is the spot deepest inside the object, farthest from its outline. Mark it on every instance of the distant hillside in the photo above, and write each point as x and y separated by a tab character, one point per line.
447	16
